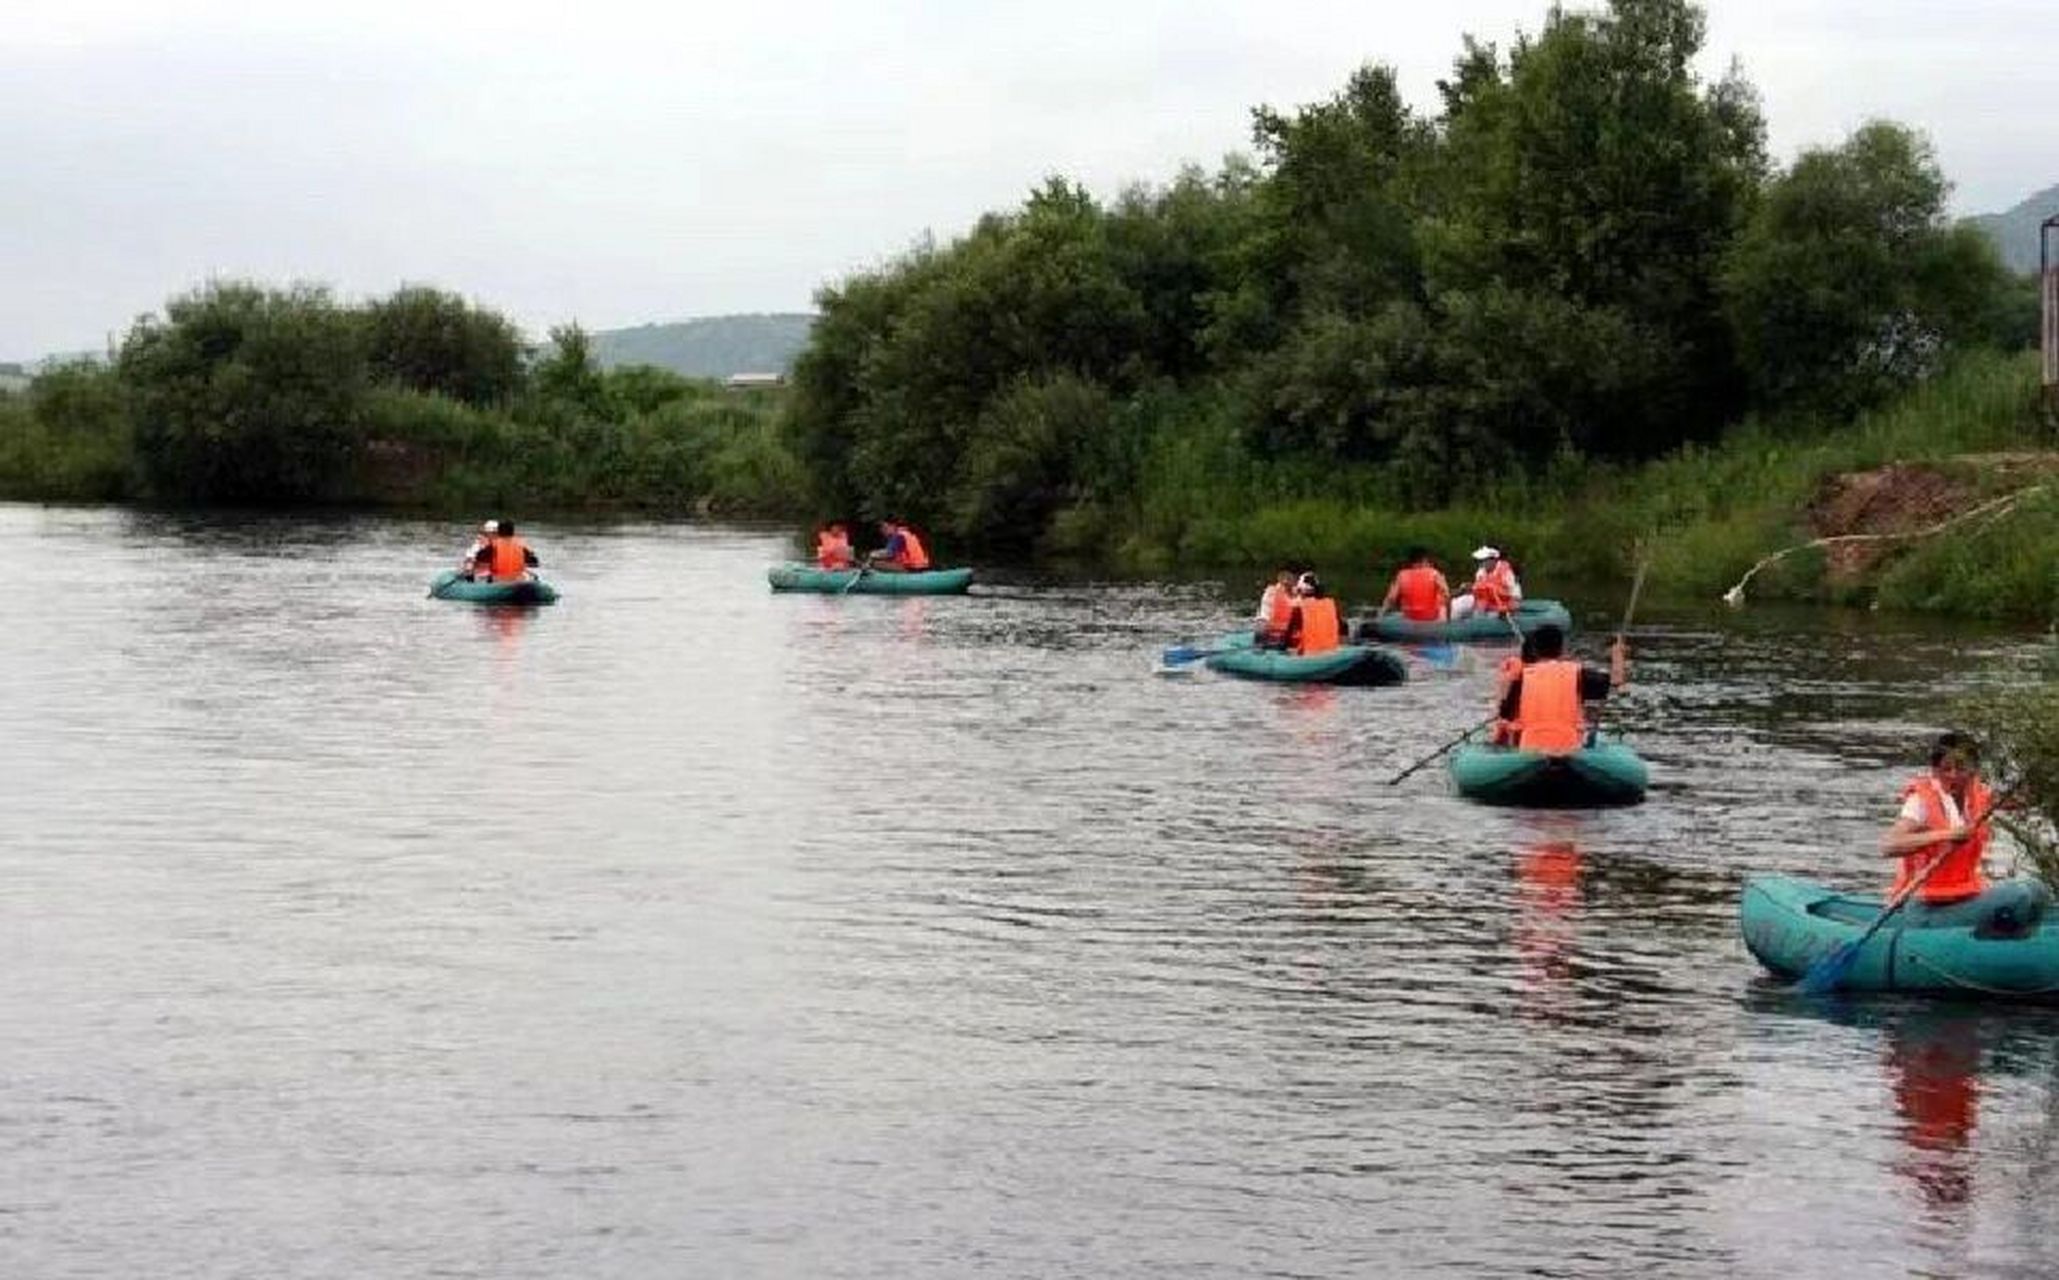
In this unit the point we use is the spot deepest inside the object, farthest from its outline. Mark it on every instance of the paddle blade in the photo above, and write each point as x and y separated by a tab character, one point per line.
1828	974
1179	655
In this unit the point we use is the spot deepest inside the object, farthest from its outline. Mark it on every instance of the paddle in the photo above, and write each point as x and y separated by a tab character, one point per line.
1830	972
1441	750
1180	655
855	579
1636	589
1643	552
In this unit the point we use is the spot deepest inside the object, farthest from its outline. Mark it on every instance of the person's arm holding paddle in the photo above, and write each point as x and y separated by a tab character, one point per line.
1387	602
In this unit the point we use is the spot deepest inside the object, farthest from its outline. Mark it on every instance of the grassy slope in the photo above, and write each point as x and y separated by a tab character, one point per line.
1714	511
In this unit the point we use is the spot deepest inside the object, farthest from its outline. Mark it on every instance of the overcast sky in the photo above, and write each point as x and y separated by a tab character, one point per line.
620	163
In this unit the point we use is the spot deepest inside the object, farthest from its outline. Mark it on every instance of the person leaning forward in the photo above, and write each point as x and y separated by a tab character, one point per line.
1937	808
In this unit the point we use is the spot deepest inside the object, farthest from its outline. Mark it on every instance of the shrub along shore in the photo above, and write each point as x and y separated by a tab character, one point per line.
246	395
1571	305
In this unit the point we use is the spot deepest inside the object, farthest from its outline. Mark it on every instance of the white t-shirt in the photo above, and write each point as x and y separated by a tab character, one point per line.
1915	810
1515	587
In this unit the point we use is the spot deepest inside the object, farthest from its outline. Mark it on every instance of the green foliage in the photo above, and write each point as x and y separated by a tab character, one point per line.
243	394
2019	724
428	340
246	394
567	381
67	437
1020	465
1850	284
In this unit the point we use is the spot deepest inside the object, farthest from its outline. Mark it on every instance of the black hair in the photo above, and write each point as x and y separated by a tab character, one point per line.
1954	743
1416	555
507	528
1549	641
1529	649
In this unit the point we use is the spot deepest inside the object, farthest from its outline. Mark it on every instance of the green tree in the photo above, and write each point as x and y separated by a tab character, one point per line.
1593	169
1850	282
428	340
567	379
242	393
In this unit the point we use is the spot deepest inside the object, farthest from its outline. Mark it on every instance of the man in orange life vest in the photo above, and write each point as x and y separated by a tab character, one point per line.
1495	589
903	552
1275	608
833	547
1936	808
505	557
1314	626
1543	705
1419	589
1503	733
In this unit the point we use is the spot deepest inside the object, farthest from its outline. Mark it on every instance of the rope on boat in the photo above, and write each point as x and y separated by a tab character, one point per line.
1983	988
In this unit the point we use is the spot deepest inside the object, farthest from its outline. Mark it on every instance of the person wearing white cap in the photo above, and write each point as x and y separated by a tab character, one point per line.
480	541
1495	588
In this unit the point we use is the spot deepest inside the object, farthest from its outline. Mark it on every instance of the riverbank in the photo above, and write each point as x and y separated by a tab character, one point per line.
641	441
1970	435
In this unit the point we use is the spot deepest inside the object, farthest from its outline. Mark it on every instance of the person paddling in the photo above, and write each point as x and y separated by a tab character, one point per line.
1503	732
1494	589
1419	589
1543	705
1936	808
903	552
504	558
1314	625
480	541
1275	607
833	547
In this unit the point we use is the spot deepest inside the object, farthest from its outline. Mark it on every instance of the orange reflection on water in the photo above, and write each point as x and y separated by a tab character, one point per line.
1933	1065
1546	922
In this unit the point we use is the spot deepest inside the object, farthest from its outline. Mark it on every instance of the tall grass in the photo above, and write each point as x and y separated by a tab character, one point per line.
1707	513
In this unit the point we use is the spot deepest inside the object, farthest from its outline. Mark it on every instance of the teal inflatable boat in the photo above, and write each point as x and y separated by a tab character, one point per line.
869	582
1358	665
1529	615
451	585
2002	944
1597	776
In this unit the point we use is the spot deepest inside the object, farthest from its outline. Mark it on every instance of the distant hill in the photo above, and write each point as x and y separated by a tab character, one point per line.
711	347
2015	233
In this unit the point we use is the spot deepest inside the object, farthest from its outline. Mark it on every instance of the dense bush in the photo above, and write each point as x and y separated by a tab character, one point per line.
246	394
1580	257
427	340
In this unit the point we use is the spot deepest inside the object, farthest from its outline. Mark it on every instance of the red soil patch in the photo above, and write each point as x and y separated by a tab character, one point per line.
1904	497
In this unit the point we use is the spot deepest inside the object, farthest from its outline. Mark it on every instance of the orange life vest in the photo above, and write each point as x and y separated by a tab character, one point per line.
1959	875
1494	589
1548	715
1319	625
832	550
509	558
1420	591
913	557
1503	734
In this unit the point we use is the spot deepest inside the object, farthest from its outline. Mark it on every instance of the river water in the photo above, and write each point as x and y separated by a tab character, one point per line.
682	929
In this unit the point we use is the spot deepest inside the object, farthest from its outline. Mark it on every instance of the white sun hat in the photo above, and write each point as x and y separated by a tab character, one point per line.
1486	553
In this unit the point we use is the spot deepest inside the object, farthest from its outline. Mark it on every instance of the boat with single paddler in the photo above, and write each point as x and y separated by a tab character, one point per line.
1598	775
2002	943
